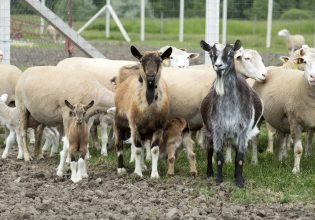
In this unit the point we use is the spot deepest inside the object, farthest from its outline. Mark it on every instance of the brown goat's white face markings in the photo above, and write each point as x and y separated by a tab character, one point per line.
78	111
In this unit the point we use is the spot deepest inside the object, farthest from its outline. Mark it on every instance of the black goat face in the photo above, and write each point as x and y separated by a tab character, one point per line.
222	56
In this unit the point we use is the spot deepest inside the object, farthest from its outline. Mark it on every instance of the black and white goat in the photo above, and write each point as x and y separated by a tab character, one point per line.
230	111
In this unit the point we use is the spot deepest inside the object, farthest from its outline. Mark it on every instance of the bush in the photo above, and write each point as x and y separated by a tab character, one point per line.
294	14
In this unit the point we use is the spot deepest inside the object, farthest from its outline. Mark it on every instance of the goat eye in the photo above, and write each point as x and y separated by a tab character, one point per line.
247	58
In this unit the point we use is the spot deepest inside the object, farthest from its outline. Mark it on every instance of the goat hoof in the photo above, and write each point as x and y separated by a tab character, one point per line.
28	158
59	173
240	182
296	170
76	180
155	174
219	180
121	171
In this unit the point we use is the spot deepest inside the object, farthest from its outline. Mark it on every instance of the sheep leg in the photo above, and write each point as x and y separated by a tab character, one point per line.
228	153
189	146
63	155
147	150
19	143
271	132
309	142
94	136
239	162
104	137
296	132
254	143
286	145
38	138
23	130
280	145
55	144
8	143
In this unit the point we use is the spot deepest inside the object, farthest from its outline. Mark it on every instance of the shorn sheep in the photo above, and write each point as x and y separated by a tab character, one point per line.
179	58
142	105
293	42
77	133
230	111
288	97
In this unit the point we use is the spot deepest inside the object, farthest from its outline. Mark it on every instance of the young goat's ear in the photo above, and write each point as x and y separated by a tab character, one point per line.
89	105
69	105
167	53
284	59
135	52
205	46
237	45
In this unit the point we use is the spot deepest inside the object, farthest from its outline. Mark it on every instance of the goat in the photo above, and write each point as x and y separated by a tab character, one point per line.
230	111
77	134
142	105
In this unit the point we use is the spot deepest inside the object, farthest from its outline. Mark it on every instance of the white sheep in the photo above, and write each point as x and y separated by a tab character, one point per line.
288	97
54	34
293	42
179	58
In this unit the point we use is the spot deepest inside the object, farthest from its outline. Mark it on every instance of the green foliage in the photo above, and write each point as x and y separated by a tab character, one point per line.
294	14
131	8
82	10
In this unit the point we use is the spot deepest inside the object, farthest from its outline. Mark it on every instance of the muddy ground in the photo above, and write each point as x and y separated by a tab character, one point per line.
33	191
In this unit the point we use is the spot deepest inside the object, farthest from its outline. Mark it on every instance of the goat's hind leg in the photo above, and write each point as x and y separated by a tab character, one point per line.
239	162
119	134
82	169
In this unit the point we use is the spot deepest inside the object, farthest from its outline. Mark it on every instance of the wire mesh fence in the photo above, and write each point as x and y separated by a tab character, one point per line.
34	42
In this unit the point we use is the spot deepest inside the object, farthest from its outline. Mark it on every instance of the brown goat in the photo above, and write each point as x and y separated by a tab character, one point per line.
142	105
78	136
176	132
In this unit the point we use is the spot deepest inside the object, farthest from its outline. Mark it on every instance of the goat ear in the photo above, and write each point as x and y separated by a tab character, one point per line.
167	53
135	52
69	105
237	45
284	59
205	46
193	56
89	105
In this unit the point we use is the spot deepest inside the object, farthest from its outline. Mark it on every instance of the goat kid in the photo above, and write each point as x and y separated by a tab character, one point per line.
77	133
230	111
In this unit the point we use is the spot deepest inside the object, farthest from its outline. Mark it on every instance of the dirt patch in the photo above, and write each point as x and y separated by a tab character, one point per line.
33	191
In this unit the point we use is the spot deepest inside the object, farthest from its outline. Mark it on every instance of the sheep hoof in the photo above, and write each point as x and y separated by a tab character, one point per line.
170	173
144	167
20	157
121	171
40	157
139	174
4	155
296	170
27	158
104	153
85	175
76	180
155	174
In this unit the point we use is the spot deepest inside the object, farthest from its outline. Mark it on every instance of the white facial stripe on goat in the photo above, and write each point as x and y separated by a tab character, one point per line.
219	53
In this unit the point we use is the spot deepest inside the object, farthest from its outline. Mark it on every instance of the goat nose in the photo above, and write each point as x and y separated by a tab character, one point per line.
218	64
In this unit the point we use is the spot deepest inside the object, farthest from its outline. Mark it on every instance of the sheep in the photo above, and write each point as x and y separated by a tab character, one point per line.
289	107
293	42
179	58
142	105
9	117
77	134
52	86
230	111
54	34
176	131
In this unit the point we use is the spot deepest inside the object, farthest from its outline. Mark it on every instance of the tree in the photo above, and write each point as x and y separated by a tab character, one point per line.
81	9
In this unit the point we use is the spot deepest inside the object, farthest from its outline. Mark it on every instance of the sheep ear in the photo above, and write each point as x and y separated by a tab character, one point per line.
205	46
303	49
284	59
167	53
69	105
237	45
89	105
135	52
193	56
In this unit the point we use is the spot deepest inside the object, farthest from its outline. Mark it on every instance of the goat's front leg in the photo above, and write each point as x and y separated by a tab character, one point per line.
119	134
239	163
155	151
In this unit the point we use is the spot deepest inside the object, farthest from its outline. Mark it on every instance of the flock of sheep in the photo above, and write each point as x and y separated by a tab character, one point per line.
156	103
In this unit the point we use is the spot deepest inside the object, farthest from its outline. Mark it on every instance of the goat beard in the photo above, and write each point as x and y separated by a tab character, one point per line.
150	93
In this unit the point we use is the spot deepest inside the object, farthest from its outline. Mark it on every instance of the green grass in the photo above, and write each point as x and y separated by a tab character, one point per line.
270	181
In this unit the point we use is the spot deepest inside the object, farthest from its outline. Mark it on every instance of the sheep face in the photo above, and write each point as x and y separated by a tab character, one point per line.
78	111
222	56
250	64
150	69
309	68
181	59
